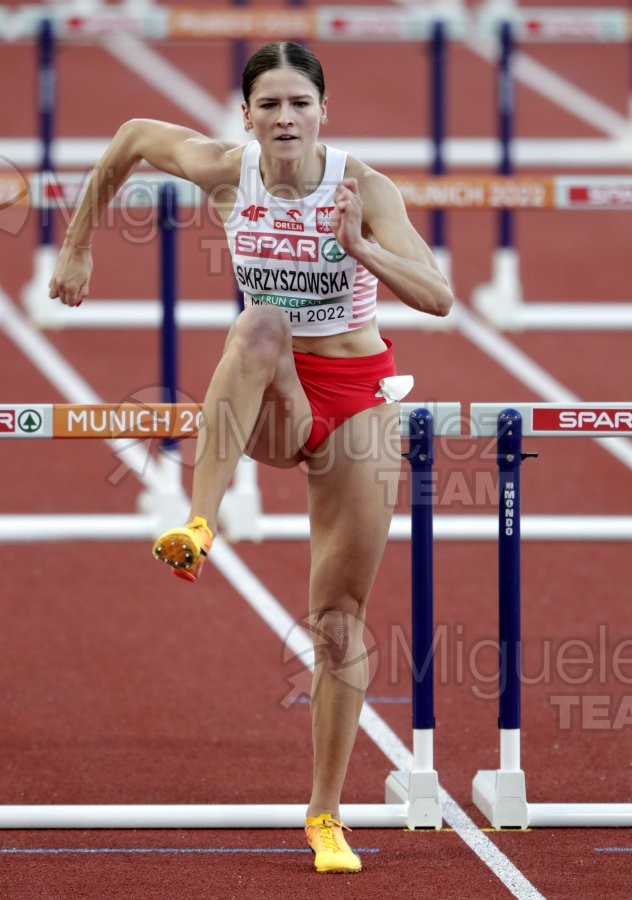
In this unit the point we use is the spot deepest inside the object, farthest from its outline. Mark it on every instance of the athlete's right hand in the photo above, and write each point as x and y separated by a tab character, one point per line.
71	278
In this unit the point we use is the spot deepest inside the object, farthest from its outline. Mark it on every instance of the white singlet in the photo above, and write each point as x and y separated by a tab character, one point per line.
284	253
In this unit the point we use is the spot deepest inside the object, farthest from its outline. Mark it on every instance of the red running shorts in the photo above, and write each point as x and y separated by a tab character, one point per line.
339	387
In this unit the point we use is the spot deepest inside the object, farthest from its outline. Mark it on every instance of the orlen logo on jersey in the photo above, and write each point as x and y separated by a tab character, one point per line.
323	219
590	420
277	246
291	223
7	420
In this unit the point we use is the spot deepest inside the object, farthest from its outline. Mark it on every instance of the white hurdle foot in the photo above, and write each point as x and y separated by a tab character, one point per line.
419	788
420	791
40	309
502	797
500	301
166	500
240	510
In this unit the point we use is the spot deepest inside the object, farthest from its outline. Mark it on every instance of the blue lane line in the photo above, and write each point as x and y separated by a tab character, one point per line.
388	700
613	849
168	850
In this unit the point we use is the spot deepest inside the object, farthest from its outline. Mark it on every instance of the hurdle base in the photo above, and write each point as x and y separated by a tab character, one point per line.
420	791
359	815
166	500
39	307
240	512
502	797
580	815
500	300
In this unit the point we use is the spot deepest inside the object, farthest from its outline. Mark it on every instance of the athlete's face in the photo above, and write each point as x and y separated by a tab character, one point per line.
285	112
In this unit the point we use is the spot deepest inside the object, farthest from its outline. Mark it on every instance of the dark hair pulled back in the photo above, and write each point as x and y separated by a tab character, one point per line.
276	56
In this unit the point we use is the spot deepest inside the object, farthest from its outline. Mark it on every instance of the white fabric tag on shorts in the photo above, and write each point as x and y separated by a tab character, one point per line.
395	387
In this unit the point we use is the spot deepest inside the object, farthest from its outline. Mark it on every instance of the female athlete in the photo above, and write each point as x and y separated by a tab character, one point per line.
305	374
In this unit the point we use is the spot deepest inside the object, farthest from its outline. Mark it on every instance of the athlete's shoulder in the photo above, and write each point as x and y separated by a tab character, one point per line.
371	183
219	164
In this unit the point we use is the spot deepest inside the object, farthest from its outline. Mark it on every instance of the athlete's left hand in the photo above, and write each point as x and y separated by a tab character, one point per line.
346	219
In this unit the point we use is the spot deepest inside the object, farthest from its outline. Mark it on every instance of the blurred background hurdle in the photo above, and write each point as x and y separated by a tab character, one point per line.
241	514
494	28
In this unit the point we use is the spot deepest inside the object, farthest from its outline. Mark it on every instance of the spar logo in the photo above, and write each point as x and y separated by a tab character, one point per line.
323	219
587	420
275	246
27	421
614	195
331	252
7	421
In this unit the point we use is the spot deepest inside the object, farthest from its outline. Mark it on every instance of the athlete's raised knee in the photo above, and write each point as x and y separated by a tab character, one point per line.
260	335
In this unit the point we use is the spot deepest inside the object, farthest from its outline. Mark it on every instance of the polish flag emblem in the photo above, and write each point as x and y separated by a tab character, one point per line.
323	219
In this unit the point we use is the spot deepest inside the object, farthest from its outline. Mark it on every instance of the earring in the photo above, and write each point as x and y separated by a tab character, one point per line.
247	127
324	120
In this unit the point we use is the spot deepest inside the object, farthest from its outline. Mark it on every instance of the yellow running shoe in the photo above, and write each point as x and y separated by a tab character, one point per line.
332	852
186	548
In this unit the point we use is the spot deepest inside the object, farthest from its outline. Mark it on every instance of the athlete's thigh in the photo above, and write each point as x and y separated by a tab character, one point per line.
285	417
353	484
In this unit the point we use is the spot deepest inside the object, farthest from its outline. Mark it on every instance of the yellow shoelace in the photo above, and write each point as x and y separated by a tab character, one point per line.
328	835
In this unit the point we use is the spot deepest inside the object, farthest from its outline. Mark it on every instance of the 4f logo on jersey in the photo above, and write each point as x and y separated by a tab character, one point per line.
254	213
276	246
323	219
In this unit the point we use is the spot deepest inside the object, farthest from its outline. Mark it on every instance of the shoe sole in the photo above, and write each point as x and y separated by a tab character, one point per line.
179	553
339	871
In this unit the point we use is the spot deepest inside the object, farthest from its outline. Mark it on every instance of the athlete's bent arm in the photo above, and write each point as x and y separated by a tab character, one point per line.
371	205
175	150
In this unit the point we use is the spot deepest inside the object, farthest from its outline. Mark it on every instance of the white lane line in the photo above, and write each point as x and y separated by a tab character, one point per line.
515	361
167	79
70	384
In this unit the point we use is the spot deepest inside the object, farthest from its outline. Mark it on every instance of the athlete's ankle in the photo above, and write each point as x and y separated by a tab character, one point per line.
200	518
313	812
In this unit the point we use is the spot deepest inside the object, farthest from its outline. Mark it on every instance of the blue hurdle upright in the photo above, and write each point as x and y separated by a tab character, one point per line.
501	794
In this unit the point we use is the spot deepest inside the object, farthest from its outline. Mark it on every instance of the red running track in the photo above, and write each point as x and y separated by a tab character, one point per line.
121	685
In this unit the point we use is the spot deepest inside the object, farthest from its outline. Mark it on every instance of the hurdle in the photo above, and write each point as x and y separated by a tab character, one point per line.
501	300
421	809
501	794
412	797
241	515
443	192
140	427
